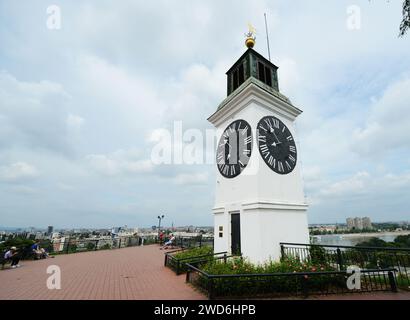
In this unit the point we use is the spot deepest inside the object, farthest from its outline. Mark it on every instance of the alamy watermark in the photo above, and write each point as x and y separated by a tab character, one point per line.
54	280
53	21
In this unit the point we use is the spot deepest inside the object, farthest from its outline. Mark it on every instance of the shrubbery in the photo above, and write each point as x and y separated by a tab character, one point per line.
262	285
193	253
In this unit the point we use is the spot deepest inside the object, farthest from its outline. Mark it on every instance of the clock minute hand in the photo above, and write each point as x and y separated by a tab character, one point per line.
278	142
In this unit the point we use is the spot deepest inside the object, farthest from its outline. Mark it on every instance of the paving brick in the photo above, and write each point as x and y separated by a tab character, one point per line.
127	274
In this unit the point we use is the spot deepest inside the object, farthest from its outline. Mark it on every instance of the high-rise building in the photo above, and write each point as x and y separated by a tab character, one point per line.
359	223
350	223
367	223
50	230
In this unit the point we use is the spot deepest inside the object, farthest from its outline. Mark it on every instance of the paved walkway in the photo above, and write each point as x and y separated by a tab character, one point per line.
128	274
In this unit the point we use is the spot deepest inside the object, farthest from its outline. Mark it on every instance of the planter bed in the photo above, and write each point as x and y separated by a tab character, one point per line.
243	282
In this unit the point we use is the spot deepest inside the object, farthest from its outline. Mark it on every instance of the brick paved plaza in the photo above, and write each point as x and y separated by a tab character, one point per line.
130	273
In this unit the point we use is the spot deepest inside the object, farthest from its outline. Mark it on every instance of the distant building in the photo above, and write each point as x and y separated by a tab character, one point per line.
350	223
50	230
358	223
367	223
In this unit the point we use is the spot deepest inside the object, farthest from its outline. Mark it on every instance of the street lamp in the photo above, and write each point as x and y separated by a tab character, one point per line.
159	224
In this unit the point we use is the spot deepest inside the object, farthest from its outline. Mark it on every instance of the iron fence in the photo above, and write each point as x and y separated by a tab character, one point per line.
190	242
287	284
179	265
341	257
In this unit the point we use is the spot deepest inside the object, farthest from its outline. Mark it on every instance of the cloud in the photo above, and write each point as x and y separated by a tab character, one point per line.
353	185
109	78
19	171
32	114
119	163
75	121
388	126
191	179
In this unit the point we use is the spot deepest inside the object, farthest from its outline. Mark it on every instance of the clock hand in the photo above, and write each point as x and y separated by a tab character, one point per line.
278	142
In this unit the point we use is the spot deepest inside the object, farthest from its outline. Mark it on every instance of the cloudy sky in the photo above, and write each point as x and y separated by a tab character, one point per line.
81	106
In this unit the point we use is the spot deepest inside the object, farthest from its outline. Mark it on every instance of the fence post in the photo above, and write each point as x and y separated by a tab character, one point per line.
188	273
282	251
225	258
68	244
305	286
339	259
211	288
200	241
96	245
166	260
178	266
392	280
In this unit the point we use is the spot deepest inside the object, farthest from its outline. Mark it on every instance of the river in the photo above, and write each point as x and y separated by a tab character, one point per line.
355	238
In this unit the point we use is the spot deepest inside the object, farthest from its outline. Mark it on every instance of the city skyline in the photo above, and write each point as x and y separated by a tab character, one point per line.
80	111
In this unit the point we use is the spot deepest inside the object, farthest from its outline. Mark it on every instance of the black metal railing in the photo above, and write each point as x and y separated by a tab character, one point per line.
179	264
288	284
341	257
81	245
191	242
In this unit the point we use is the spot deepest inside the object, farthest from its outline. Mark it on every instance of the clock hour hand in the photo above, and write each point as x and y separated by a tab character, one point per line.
275	143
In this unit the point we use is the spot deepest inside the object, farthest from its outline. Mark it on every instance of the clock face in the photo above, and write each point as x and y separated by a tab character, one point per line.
276	145
234	149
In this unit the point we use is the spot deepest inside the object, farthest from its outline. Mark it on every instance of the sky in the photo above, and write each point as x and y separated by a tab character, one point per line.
84	99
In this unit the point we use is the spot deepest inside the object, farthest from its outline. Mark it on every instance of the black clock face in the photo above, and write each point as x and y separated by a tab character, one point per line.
234	149
276	145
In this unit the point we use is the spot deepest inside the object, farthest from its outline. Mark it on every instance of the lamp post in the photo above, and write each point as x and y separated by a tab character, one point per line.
159	224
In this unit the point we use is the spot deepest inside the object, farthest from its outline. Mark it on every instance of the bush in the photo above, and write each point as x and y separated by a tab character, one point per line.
193	253
262	285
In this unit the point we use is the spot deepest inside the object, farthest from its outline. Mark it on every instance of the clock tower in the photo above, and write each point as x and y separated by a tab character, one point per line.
259	192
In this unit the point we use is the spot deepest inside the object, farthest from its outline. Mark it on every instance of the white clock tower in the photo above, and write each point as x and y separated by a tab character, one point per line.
259	192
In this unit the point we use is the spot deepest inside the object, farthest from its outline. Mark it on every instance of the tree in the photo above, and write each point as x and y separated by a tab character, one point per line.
405	24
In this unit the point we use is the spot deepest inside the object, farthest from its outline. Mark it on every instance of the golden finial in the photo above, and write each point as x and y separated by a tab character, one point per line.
250	36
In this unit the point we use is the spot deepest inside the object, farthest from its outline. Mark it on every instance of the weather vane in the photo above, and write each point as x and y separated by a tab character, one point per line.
250	36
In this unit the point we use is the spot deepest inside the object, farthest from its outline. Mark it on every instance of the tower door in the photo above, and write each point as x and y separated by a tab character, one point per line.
236	233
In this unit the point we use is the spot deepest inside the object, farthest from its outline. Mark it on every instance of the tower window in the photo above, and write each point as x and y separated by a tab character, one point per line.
238	76
265	74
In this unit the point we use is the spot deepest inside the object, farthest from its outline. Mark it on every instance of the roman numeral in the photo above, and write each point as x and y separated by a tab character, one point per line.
280	166
264	148
225	170
290	138
284	128
246	152
233	170
245	130
276	123
267	121
292	149
292	158
247	140
220	156
288	165
262	139
270	161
